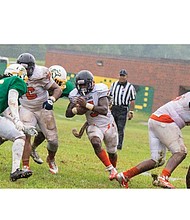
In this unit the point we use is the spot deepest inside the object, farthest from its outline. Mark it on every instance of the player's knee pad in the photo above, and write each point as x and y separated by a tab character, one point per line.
112	149
52	145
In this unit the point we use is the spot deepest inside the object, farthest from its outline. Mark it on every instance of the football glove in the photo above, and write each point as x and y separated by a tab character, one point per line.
31	130
19	125
48	105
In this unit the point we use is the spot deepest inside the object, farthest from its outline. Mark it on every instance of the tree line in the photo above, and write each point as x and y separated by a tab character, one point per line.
169	51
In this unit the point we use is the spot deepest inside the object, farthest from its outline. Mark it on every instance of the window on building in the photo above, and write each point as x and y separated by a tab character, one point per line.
99	62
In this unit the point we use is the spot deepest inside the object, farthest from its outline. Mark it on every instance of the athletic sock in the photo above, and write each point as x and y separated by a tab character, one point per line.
104	158
131	172
17	151
166	173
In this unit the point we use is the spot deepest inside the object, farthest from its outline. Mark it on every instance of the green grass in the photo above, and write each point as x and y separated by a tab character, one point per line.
79	168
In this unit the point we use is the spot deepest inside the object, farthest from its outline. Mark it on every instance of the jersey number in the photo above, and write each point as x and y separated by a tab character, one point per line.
30	94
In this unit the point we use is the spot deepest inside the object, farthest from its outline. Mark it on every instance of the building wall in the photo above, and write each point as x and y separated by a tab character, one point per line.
164	75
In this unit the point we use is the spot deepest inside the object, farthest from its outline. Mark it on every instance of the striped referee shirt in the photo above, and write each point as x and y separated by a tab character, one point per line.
122	94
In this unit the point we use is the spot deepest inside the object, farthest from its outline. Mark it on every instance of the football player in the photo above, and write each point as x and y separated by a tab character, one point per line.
101	126
164	127
37	108
59	75
12	87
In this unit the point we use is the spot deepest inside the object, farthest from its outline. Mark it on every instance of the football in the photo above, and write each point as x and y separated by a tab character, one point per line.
81	110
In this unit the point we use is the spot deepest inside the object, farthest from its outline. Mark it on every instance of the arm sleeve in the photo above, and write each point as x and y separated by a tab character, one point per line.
13	103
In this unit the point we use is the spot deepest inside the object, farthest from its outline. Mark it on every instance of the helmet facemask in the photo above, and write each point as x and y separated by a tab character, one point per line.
29	69
84	86
60	82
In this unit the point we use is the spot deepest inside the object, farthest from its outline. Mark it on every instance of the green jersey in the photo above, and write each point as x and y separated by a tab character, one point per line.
69	87
7	84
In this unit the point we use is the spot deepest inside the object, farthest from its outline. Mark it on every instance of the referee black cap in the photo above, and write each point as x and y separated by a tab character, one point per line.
122	72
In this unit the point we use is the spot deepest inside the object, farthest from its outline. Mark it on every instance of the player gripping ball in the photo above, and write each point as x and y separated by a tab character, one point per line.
78	109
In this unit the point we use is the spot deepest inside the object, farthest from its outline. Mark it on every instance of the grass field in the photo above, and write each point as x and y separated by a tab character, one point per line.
79	168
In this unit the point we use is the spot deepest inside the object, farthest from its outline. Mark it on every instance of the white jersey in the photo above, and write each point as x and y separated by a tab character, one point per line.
100	90
37	86
178	109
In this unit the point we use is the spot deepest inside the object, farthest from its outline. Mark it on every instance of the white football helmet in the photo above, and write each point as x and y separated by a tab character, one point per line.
59	75
16	70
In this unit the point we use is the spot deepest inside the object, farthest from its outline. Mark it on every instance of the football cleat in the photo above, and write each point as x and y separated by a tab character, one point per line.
18	174
35	156
162	181
52	166
123	181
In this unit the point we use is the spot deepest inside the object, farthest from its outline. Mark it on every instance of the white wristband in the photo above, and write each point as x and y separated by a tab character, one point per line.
74	110
52	98
89	106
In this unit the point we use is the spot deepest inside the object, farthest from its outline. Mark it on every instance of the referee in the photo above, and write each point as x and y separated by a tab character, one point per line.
123	96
